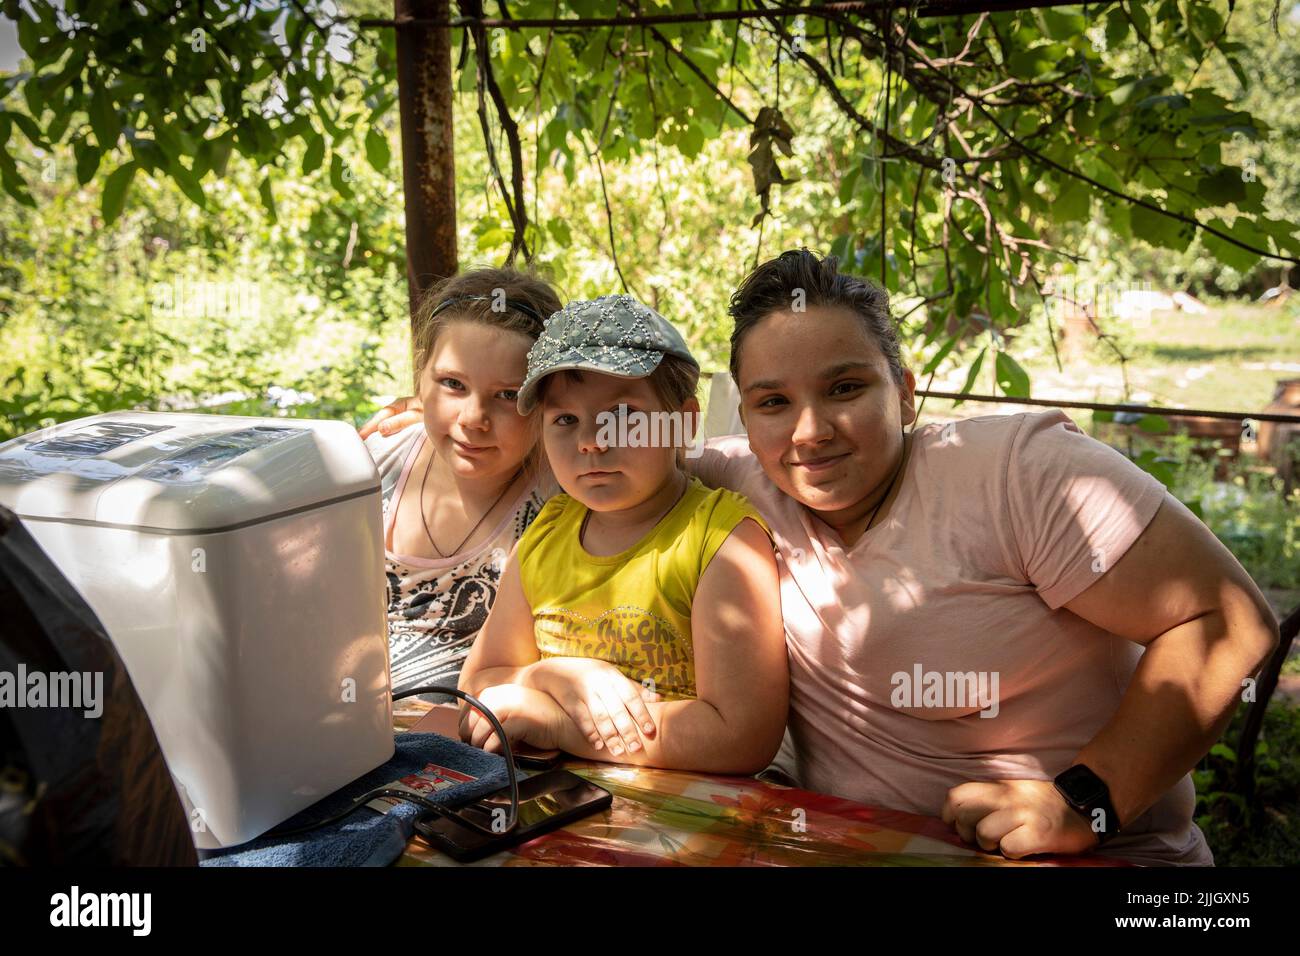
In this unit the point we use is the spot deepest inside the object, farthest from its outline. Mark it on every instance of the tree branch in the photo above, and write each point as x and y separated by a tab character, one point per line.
487	79
1038	157
694	68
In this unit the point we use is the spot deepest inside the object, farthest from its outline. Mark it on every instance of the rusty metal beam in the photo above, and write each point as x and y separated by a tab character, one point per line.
928	8
428	161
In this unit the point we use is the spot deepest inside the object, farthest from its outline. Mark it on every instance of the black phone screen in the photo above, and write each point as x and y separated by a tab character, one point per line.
547	801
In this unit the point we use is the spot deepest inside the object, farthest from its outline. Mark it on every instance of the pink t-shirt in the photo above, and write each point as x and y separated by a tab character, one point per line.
936	650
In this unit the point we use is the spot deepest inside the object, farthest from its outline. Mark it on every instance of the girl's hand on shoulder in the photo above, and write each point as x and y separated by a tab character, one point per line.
1019	818
393	417
606	706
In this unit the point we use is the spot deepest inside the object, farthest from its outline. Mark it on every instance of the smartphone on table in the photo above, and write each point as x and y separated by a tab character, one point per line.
547	802
531	758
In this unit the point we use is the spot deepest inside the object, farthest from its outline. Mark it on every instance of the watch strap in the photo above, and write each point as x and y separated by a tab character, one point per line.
1088	809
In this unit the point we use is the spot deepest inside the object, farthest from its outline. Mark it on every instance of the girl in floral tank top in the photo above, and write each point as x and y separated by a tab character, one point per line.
460	488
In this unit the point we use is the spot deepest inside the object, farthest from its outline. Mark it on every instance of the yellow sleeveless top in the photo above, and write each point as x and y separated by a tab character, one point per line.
631	609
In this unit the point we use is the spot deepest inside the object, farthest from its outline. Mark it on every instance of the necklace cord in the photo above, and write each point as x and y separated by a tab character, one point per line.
492	507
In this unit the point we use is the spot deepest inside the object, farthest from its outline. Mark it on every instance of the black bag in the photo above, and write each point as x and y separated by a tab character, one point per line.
75	789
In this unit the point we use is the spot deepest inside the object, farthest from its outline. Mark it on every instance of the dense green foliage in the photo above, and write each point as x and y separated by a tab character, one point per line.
958	158
1266	831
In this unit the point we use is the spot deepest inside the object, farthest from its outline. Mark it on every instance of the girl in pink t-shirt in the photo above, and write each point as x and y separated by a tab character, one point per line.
966	605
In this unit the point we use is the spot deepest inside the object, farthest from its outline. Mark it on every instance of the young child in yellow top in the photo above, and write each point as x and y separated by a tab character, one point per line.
638	619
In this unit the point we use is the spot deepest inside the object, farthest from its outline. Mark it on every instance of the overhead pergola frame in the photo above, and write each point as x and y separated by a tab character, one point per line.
424	81
930	8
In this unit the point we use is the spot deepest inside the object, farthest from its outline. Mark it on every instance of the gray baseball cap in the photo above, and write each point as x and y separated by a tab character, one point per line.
613	335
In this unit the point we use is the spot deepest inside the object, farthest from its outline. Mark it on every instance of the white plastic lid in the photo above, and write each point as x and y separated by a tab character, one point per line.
185	472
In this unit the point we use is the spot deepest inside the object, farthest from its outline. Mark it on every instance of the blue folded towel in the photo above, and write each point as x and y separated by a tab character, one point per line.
364	837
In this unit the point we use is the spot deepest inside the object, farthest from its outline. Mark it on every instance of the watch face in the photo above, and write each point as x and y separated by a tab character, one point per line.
1081	786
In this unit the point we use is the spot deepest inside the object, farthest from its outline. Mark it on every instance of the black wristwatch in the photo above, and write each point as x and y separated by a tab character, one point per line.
1088	794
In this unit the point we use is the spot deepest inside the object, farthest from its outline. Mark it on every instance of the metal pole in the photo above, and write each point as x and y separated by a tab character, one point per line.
428	164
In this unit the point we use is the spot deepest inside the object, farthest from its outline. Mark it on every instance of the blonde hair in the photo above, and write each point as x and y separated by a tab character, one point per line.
502	298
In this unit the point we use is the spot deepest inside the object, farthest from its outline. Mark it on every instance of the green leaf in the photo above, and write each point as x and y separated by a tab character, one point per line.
691	141
1223	187
14	184
1159	468
1229	253
256	138
1224	751
32	94
1167	101
1073	202
1141	21
267	197
1001	310
922	119
87	160
221	147
314	154
1238	71
340	176
1012	379
1204	21
1033	62
115	188
560	230
188	183
1117	27
494	238
972	375
847	184
1135	89
167	141
29	128
103	118
377	151
1158	229
1155	424
939	356
842	247
1061	26
147	155
29	36
1284	234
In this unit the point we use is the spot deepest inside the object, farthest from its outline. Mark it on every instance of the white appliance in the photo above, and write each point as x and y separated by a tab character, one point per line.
238	566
